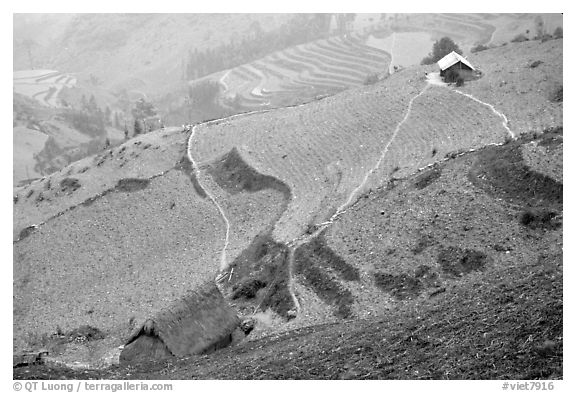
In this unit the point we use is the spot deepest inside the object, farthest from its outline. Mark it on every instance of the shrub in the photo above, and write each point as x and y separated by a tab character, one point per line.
248	289
558	33
519	38
131	184
453	76
371	79
426	178
538	218
535	64
557	94
478	48
427	61
401	286
69	185
457	262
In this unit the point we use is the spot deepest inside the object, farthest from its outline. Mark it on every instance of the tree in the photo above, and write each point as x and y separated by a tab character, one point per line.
440	49
137	127
108	115
29	44
117	120
143	109
203	94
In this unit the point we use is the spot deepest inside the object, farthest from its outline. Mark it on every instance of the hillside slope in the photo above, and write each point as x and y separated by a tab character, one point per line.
450	292
315	210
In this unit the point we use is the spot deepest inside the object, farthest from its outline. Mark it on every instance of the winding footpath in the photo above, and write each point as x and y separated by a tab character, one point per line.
499	114
196	169
355	191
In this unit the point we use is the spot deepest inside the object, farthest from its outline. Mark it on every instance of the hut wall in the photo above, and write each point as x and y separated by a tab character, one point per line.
144	348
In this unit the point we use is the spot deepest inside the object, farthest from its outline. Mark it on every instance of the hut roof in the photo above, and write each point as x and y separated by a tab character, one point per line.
190	325
452	58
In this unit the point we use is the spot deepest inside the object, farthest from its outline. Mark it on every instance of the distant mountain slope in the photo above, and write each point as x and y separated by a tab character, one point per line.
129	50
42	85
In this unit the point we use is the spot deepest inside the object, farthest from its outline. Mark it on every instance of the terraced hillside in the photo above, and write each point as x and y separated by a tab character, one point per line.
312	213
303	72
436	288
42	85
323	150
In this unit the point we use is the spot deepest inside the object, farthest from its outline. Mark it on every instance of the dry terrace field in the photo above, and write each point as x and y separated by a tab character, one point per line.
323	150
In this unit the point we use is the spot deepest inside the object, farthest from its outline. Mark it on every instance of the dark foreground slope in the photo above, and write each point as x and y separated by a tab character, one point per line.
478	296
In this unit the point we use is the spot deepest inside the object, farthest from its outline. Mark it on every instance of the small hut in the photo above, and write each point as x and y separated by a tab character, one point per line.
453	61
199	322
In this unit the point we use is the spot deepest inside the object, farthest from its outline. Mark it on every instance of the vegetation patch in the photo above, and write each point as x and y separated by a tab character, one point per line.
247	288
423	243
535	64
478	48
539	218
557	94
186	166
234	175
260	275
401	286
552	137
132	184
24	233
428	177
318	251
69	185
440	49
427	275
457	262
405	286
502	172
519	38
327	288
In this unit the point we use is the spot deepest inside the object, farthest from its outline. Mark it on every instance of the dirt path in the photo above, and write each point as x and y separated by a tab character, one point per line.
391	66
354	192
499	114
434	78
212	198
221	81
291	251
